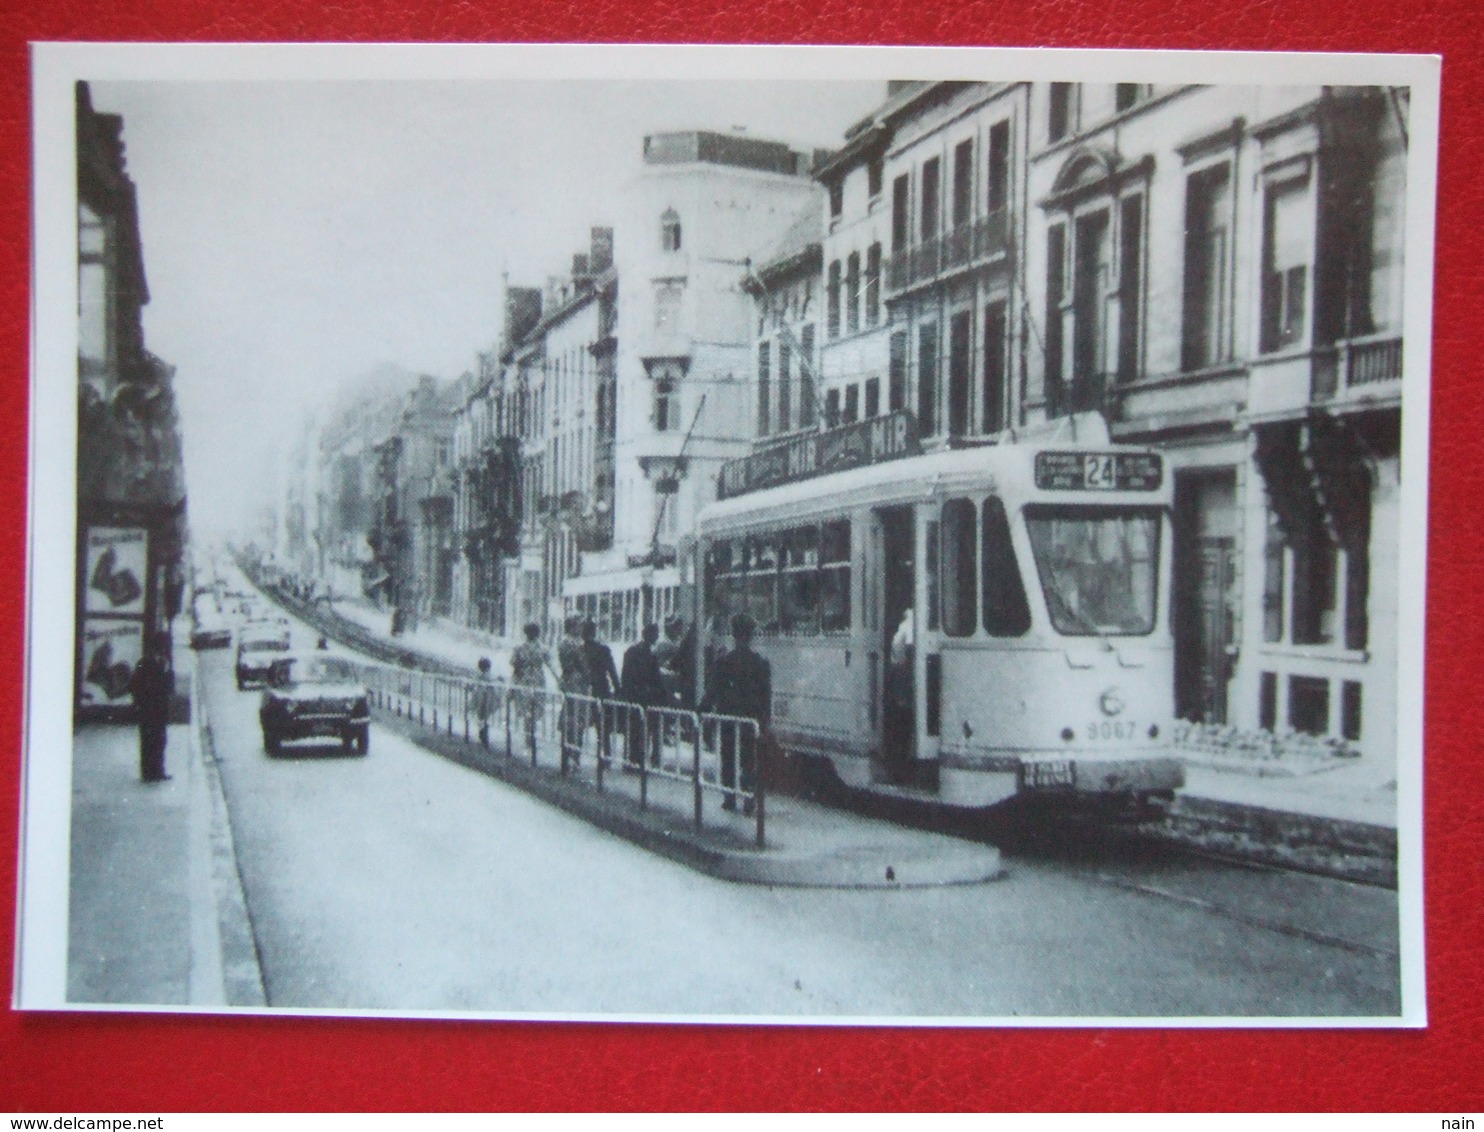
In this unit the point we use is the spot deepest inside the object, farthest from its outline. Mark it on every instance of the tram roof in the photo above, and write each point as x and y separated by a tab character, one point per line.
910	478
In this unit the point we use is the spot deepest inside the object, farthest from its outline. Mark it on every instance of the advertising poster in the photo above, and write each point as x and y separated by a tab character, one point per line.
111	649
116	570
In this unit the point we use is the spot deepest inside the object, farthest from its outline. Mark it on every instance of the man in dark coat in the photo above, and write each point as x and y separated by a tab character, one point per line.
153	683
602	680
741	685
643	685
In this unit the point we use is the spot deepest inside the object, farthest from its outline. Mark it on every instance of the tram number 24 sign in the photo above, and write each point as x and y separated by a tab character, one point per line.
1099	471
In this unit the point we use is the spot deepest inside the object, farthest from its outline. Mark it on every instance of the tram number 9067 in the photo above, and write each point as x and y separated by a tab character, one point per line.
1111	729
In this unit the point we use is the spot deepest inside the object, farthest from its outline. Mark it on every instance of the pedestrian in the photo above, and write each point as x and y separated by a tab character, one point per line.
484	701
528	665
680	660
643	688
574	683
602	682
741	685
152	684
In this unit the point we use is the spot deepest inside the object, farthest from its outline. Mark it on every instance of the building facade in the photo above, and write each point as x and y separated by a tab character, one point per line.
1219	271
684	398
131	501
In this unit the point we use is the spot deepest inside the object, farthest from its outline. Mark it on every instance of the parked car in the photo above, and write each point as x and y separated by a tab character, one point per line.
315	694
210	631
258	646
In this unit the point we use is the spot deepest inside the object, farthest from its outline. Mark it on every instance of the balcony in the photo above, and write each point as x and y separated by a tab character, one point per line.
1350	374
960	248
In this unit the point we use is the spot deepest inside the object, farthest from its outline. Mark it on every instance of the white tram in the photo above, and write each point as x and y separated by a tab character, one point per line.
966	626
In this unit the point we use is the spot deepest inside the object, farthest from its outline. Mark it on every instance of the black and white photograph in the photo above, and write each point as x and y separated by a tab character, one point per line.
915	536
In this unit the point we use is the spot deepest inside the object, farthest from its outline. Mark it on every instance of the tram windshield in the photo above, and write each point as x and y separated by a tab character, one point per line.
1098	566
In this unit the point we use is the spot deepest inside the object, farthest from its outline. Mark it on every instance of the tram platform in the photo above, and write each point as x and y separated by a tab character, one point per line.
806	845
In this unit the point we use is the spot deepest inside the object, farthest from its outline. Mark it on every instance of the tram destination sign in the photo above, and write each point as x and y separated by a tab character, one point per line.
851	446
1099	471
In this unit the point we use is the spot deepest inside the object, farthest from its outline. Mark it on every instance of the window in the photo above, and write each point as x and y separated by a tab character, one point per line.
1316	590
762	583
764	368
93	291
837	198
853	293
1267	701
831	408
852	404
1350	700
901	209
670	231
785	386
1288	250
958	571
896	376
667	299
960	369
1126	95
832	301
1060	111
930	192
798	589
1090	278
1308	704
1203	336
1056	275
927	379
834	576
998	180
808	394
996	349
1130	284
666	403
963	182
873	397
1098	567
1006	612
873	177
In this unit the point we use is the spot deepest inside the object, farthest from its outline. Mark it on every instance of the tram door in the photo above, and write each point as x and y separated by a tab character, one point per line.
898	691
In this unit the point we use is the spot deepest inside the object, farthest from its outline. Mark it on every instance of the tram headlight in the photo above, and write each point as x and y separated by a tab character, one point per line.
1111	702
1068	734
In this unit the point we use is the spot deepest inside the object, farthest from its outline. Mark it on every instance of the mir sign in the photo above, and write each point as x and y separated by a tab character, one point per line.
851	446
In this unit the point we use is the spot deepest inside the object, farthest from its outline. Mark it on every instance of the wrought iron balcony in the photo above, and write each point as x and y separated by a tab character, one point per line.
958	249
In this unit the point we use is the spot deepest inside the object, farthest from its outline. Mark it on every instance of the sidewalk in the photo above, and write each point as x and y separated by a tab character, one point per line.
155	908
463	649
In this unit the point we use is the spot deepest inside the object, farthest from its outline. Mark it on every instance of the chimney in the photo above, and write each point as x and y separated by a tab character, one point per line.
522	311
600	257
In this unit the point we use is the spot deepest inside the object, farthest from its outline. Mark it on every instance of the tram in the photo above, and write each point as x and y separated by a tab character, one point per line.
966	626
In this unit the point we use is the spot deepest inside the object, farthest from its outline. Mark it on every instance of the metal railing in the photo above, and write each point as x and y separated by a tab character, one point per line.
707	752
959	247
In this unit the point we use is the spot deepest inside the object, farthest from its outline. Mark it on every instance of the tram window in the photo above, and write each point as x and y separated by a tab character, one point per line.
834	576
1006	613
798	597
1098	567
762	584
958	568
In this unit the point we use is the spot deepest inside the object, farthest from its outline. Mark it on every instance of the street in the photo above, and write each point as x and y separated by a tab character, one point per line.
400	881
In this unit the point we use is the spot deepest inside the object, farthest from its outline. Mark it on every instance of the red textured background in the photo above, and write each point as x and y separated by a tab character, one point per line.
117	1063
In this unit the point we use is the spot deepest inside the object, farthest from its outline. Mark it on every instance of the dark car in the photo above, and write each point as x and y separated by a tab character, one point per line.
315	695
258	646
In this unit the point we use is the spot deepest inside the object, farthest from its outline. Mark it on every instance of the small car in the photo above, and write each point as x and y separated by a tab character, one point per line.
211	632
257	648
315	694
